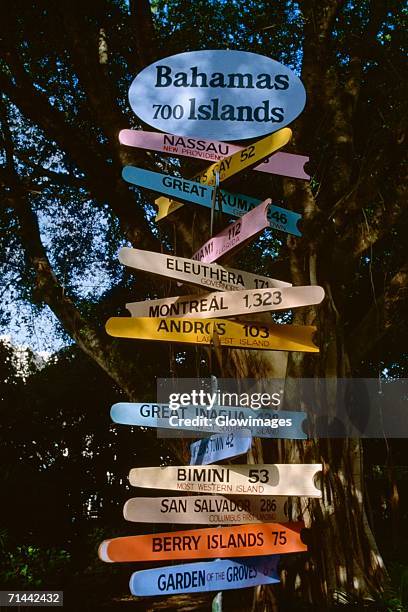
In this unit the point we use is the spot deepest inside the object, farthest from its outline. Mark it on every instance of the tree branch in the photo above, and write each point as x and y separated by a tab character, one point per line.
91	339
36	106
145	40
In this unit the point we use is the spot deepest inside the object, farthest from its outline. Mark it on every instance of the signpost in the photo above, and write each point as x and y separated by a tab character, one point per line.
236	235
200	95
208	576
268	479
206	510
210	276
217	448
222	94
225	419
228	304
209	543
222	332
283	164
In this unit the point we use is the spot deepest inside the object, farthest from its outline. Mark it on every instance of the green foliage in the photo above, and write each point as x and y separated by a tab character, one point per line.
31	567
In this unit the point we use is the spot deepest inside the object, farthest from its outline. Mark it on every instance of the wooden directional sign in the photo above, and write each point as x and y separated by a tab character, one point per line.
203	577
225	419
211	276
271	337
236	235
283	164
237	205
217	448
269	479
191	191
227	303
248	157
278	218
206	510
238	541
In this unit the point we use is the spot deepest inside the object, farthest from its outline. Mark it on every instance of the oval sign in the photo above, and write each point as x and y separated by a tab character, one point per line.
228	95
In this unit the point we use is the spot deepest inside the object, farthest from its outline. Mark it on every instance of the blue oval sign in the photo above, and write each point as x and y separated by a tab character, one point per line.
228	95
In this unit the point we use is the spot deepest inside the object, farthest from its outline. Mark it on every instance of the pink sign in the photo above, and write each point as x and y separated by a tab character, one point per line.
284	164
235	235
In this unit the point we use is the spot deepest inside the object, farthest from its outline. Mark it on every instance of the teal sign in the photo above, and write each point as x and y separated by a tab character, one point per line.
235	204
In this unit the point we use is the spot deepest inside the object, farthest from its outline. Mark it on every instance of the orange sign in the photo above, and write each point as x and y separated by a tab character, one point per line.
237	541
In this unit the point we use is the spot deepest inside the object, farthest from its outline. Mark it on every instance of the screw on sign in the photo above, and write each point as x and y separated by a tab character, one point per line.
236	235
248	157
208	543
208	576
227	304
283	424
188	190
283	164
235	204
207	509
210	276
268	479
225	333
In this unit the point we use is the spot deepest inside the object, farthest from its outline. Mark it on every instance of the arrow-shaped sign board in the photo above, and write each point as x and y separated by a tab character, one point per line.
234	204
220	332
184	189
282	424
204	577
270	479
219	447
227	303
209	543
283	164
246	158
236	235
210	276
206	509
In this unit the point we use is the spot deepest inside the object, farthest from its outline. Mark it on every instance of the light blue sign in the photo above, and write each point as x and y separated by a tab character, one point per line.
234	204
222	94
221	574
215	448
282	424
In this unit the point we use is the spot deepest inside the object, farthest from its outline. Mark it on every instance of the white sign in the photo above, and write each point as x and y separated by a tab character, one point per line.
211	276
228	304
228	95
273	479
206	510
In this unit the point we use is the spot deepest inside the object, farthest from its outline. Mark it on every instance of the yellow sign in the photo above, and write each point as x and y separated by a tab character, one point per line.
231	165
166	206
221	332
249	156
